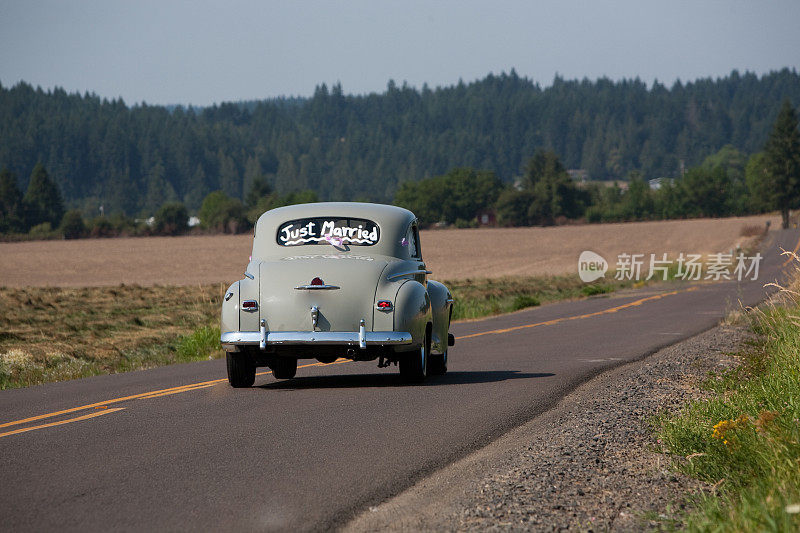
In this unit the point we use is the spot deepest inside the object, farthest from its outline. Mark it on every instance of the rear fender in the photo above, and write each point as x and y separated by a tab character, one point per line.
441	302
412	312
248	290
229	321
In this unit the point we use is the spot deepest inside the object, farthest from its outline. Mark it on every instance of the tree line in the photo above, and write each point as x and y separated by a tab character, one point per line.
726	183
132	159
40	212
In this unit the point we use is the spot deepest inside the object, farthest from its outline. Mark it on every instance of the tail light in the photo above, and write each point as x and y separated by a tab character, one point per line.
250	305
317	281
384	305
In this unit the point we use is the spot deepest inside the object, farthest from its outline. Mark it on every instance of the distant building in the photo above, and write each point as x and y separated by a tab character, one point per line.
656	183
487	217
579	175
193	221
623	185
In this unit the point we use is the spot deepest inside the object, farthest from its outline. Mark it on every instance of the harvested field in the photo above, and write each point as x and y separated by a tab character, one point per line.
452	254
495	252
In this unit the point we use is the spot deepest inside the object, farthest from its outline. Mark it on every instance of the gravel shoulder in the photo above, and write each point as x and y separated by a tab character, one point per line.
588	464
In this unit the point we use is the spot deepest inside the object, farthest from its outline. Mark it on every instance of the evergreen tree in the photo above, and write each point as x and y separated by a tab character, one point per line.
783	161
43	199
159	189
554	193
197	189
11	208
259	188
757	180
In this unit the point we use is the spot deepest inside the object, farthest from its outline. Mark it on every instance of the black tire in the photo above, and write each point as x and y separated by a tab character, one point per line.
437	364
284	367
414	365
241	369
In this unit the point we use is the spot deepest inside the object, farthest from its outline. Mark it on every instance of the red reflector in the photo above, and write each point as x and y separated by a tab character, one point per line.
317	281
249	304
384	304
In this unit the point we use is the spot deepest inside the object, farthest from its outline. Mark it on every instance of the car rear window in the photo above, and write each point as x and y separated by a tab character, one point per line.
328	230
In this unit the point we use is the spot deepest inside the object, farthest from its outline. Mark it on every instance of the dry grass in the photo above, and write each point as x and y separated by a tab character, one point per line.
48	334
453	254
753	230
97	323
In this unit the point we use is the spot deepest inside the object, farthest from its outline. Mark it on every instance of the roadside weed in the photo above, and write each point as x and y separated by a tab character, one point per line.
744	441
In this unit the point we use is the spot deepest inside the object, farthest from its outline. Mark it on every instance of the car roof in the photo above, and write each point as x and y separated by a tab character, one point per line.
392	220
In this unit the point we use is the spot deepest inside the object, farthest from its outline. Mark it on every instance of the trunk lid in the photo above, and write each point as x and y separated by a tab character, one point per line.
288	309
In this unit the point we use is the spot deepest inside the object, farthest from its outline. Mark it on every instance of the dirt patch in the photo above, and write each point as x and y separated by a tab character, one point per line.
452	254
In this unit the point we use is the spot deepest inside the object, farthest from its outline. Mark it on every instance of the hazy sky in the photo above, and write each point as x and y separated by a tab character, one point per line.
199	52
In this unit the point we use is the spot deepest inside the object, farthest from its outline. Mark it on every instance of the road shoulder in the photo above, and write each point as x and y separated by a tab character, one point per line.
589	463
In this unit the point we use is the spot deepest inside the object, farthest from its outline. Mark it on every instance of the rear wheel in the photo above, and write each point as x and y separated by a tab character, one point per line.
284	367
241	369
414	365
437	364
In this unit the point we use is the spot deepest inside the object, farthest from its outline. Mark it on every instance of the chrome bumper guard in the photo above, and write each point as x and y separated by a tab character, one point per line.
232	340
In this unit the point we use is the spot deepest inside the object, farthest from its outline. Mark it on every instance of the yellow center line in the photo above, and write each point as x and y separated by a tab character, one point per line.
205	384
184	389
577	317
60	422
98	404
192	387
143	395
791	256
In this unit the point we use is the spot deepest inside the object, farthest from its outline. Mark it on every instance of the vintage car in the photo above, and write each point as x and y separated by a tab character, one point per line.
331	280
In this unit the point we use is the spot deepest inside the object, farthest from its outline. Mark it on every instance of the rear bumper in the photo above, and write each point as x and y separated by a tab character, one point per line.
233	340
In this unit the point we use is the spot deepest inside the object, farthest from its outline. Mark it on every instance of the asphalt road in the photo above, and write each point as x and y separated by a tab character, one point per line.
176	448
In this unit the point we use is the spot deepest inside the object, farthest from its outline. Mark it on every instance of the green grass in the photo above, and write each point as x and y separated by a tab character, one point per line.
476	298
199	345
744	441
